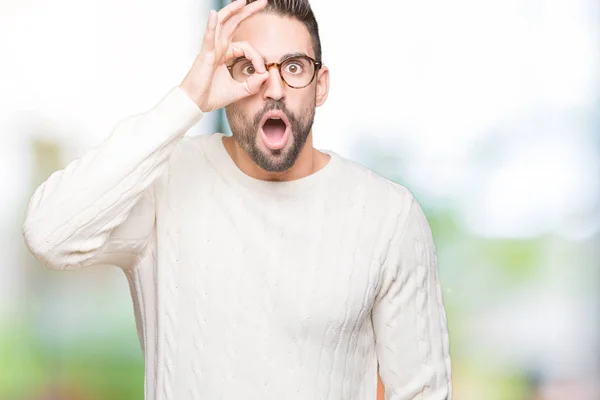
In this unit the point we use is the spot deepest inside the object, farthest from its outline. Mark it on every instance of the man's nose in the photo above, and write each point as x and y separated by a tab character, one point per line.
274	84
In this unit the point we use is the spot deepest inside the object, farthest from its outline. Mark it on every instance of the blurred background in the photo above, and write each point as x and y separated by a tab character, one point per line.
488	111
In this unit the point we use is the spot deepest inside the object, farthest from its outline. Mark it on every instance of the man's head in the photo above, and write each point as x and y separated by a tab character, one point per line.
273	125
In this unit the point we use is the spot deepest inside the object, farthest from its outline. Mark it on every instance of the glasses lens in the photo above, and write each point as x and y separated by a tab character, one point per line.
297	71
242	69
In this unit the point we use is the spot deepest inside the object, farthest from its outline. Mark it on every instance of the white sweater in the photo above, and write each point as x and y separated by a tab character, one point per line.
249	289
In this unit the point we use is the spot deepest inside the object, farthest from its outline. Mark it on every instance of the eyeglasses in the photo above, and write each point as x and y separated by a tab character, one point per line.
296	72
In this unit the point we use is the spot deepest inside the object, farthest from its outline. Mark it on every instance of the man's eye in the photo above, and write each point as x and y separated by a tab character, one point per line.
248	69
294	68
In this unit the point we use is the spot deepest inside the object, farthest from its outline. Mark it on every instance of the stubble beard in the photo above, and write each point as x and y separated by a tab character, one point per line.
246	134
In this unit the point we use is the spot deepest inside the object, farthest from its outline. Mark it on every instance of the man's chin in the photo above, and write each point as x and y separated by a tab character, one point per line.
273	160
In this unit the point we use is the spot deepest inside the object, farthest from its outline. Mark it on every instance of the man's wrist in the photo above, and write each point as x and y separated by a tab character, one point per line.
191	91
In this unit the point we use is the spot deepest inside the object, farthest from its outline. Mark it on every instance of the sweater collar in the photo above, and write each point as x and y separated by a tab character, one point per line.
228	168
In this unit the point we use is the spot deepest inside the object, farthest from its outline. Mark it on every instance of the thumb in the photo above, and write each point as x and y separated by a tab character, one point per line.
254	82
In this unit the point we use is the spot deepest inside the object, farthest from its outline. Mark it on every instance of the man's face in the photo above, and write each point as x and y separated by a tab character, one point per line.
273	125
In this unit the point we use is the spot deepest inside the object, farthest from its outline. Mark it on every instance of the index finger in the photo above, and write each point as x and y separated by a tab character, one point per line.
245	50
230	9
232	23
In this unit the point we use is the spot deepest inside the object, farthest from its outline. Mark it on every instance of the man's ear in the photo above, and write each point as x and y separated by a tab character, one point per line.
322	85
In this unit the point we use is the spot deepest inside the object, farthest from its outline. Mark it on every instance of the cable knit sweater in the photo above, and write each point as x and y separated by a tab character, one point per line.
250	289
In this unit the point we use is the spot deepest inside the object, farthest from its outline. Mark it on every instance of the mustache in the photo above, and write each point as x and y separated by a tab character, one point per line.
273	105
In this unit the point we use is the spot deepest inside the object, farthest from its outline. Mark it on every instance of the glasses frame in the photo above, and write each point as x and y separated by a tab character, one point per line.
317	65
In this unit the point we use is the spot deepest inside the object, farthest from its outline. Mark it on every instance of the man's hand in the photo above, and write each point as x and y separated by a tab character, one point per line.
208	82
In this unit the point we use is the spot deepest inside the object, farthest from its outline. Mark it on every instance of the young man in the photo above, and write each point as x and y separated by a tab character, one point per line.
259	266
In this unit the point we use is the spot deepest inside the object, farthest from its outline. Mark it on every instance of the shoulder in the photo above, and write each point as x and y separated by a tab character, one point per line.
195	143
386	194
195	150
189	162
389	206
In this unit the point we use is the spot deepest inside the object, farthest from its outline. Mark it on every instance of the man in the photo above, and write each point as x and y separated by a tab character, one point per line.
259	266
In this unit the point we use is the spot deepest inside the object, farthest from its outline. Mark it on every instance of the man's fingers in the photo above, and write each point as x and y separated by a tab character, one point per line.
210	33
244	49
250	86
255	81
230	9
228	27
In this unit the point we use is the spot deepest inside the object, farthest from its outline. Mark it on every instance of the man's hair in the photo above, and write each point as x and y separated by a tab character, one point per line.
301	10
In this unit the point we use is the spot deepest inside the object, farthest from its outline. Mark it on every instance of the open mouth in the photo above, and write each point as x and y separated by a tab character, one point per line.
275	130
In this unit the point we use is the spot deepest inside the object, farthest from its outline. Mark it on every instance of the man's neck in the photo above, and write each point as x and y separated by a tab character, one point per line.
309	161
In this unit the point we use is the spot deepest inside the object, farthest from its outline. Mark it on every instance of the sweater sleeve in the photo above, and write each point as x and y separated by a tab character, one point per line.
99	209
409	317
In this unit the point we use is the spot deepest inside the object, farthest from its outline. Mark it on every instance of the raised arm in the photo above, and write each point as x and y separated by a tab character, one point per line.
77	217
409	317
100	208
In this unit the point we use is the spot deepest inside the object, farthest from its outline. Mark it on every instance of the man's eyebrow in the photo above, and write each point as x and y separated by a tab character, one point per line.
290	55
283	58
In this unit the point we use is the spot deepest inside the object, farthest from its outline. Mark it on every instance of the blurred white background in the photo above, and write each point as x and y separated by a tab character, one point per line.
489	111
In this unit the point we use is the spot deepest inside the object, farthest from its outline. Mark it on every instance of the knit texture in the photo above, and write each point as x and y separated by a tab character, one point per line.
249	289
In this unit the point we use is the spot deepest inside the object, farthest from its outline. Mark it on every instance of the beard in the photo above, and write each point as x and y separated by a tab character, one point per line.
246	133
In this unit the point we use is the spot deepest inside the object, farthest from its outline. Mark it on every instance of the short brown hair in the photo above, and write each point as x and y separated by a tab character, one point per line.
302	11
